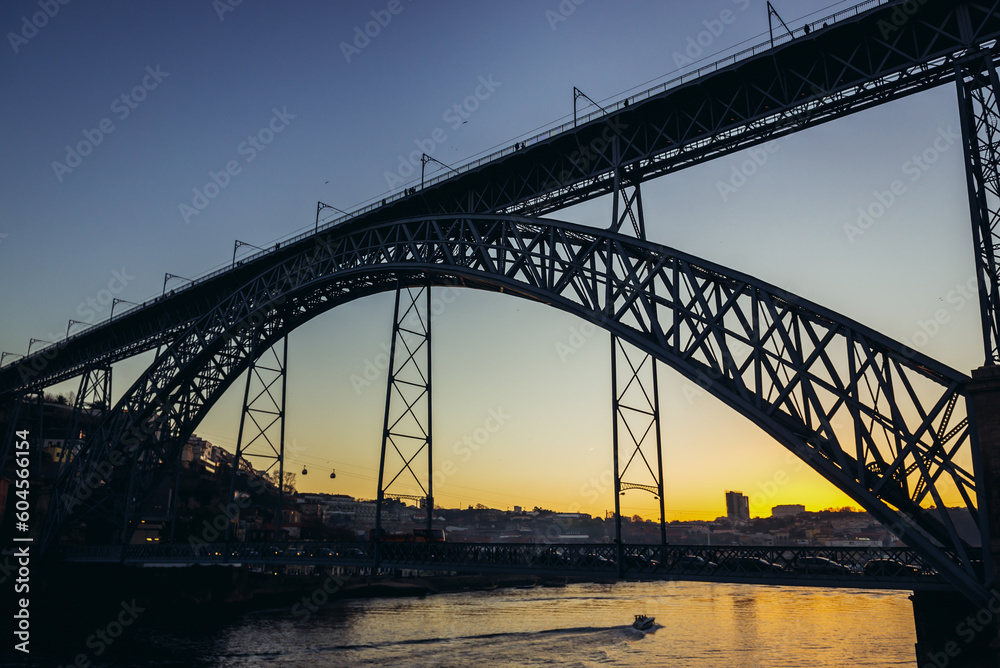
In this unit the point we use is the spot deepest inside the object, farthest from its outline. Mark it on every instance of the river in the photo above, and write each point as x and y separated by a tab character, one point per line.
698	624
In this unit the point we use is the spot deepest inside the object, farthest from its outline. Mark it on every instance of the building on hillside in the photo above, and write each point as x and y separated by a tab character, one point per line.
790	510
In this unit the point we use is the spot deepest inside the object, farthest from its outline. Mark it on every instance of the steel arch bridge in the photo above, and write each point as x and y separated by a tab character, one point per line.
881	422
886	425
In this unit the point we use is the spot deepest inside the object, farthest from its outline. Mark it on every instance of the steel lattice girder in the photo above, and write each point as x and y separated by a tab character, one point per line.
881	422
978	107
857	63
869	567
407	425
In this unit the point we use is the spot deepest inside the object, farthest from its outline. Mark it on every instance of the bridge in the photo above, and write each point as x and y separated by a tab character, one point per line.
920	437
869	568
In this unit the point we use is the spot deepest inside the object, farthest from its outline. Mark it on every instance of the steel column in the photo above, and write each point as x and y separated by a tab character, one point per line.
978	108
262	423
407	425
94	394
636	402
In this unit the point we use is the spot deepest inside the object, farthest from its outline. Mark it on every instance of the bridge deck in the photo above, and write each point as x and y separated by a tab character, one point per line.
869	568
850	65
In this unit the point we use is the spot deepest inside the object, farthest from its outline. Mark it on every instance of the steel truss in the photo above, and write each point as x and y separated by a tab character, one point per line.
978	87
406	433
864	60
262	427
868	567
883	423
93	398
635	400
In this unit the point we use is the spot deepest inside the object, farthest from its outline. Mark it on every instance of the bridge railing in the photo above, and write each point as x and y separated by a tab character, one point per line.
495	155
861	565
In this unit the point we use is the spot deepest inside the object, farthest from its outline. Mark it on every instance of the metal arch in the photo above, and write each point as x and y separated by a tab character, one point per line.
872	54
881	422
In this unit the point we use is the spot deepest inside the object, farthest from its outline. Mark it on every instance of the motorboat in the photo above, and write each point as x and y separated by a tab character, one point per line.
643	623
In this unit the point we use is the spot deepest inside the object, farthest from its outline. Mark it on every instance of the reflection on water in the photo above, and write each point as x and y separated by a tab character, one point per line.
580	625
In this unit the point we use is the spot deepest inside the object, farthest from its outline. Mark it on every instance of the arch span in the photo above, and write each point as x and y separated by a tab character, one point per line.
885	424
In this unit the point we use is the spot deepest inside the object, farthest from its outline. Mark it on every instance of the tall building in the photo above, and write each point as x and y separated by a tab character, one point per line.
737	506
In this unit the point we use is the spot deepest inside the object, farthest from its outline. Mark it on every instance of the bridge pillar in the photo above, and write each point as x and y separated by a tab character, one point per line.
262	429
406	433
952	632
635	395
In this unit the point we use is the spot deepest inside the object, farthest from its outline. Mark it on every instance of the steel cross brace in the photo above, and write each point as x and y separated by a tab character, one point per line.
407	426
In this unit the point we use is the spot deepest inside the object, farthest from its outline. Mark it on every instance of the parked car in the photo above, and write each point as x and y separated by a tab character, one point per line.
890	568
551	557
820	566
691	563
594	561
754	565
639	562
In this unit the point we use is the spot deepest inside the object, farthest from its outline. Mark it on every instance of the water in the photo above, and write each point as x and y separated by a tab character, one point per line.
699	624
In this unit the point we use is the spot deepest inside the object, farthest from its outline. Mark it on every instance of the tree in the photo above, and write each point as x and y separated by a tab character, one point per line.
289	486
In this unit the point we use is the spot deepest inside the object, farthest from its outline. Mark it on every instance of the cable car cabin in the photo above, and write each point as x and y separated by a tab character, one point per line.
418	536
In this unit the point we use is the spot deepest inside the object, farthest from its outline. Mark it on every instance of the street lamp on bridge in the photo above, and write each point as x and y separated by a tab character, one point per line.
167	277
320	206
115	301
242	243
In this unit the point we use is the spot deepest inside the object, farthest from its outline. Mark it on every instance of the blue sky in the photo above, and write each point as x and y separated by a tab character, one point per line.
332	116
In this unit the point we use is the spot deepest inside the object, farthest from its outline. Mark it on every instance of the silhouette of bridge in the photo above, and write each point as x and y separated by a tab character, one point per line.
900	433
871	568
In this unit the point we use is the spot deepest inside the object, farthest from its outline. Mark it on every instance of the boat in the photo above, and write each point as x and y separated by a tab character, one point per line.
643	623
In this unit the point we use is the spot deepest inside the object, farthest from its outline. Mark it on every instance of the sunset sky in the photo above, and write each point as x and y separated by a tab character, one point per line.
344	111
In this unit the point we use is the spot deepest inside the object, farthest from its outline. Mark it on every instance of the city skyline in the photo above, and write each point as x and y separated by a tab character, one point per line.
802	213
